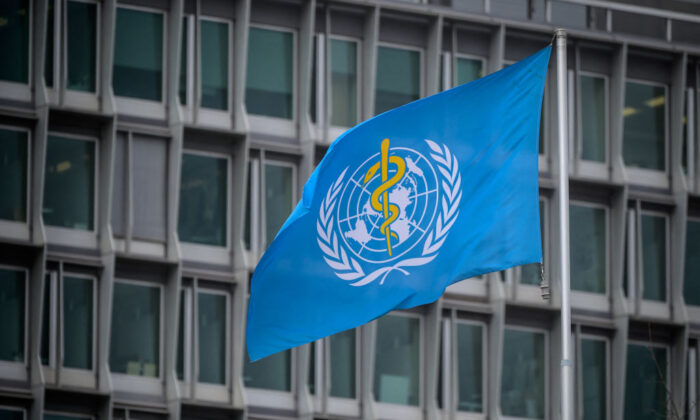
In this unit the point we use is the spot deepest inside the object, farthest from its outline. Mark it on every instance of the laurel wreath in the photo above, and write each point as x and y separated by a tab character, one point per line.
347	268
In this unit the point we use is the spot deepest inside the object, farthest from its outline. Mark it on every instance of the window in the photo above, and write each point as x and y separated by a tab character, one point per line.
138	54
588	248
691	284
212	337
49	71
398	78
531	274
81	44
343	348
279	182
11	413
593	97
398	360
13	313
523	374
214	45
644	143
69	188
135	340
61	416
183	335
470	365
14	37
594	370
184	59
203	216
646	382
654	257
46	320
14	162
272	373
78	294
344	77
467	70
270	75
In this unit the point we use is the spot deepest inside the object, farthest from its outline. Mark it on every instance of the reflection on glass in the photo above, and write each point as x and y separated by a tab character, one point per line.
135	340
691	285
81	32
645	126
13	175
343	83
12	313
212	338
343	364
588	248
654	257
646	374
398	78
593	369
278	198
523	374
77	322
468	70
203	200
215	56
397	360
138	55
270	75
531	273
14	38
470	363
593	114
69	187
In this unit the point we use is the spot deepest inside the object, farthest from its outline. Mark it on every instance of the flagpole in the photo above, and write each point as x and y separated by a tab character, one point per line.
567	366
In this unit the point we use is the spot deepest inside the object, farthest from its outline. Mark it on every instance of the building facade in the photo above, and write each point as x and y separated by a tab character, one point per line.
151	149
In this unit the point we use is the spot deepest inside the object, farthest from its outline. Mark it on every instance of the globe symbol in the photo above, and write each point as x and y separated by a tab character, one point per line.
413	197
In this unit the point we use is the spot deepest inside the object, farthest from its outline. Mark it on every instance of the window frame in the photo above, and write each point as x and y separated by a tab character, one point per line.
14	408
51	281
421	67
86	238
188	342
24	91
206	390
468	415
283	164
339	405
69	375
134	383
454	60
71	97
336	130
18	370
652	307
211	116
591	168
12	228
608	371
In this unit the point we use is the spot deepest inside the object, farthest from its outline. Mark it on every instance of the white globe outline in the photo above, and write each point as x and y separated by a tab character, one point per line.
343	197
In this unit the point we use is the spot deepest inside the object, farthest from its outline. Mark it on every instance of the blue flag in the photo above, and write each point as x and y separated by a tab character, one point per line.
403	205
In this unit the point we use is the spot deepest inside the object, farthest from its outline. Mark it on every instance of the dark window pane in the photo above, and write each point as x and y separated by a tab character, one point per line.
342	364
468	70
45	320
135	340
397	360
593	116
247	222
215	56
48	60
398	78
523	374
12	313
70	183
138	54
314	81
511	9
82	45
270	75
638	24
14	38
212	338
570	15
588	249
48	416
7	414
654	257
180	361
645	392
470	372
273	372
688	32
532	273
13	175
691	284
594	370
203	195
77	322
645	126
182	87
343	83
278	198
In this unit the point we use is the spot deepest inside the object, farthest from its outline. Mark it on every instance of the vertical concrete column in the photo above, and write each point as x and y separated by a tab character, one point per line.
496	326
369	61
617	104
433	330
432	71
240	61
497	48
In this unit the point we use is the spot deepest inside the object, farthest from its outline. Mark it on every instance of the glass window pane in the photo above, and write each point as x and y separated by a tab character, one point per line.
138	54
48	60
594	371
468	70
273	372
398	78
470	373
593	116
12	314
523	374
343	83
45	319
77	322
278	198
691	284
135	341
180	362
182	87
512	9
49	416
7	414
654	257
397	360
645	126
342	364
531	273
70	183
13	174
81	32
645	394
212	338
203	200
14	38
270	75
588	249
215	56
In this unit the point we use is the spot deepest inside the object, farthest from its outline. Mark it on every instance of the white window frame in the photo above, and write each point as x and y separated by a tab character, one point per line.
144	107
23	91
398	411
338	405
468	415
660	309
532	293
335	130
210	116
652	177
275	125
18	370
211	253
72	237
12	228
608	371
587	168
590	300
457	56
205	390
546	364
669	367
75	98
143	384
421	64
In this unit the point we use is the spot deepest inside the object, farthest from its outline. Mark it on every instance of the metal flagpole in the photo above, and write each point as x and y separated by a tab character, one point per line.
567	366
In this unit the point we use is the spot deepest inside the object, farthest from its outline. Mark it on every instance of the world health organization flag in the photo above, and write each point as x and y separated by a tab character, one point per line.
403	205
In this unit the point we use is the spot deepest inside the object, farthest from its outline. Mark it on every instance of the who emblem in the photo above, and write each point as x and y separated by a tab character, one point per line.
394	211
